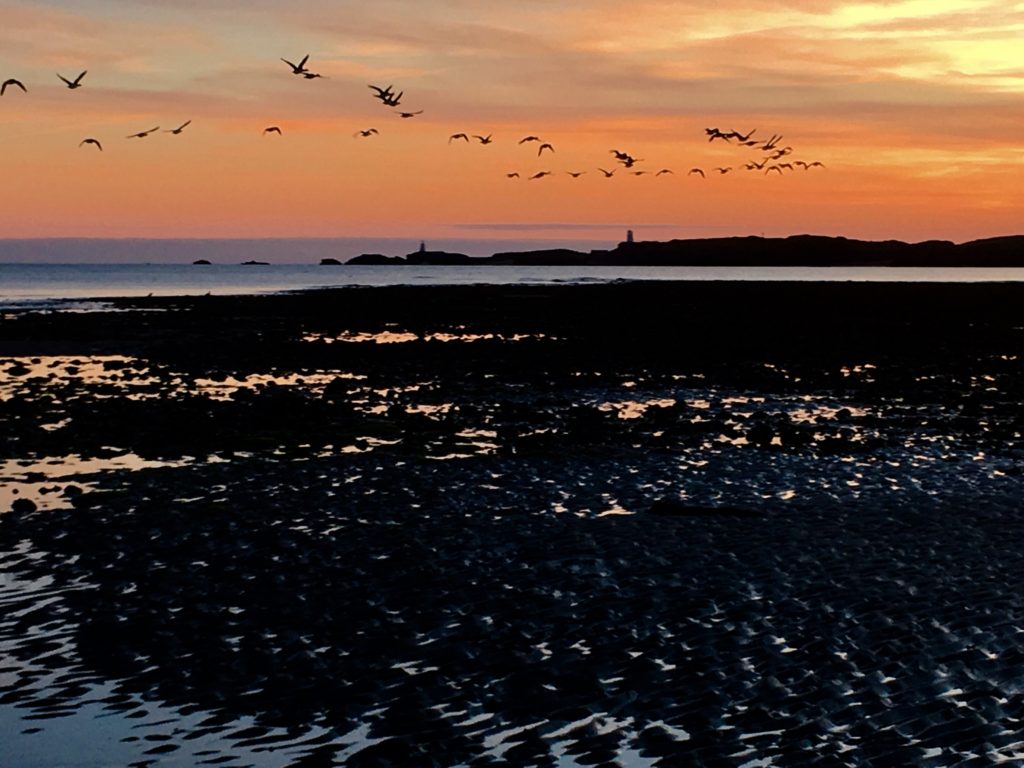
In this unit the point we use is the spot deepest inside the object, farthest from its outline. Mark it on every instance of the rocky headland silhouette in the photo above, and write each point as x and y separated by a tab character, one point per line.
794	251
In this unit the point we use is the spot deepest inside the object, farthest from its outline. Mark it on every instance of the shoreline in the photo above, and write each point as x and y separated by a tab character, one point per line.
769	317
76	298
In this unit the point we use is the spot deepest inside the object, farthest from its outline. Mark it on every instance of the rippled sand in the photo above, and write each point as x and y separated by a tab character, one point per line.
507	536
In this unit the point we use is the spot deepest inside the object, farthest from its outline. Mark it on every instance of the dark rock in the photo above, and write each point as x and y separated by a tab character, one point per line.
761	435
375	259
337	391
255	263
22	506
201	262
330	262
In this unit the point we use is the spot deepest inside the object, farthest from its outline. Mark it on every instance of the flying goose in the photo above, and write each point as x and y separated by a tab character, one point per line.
72	84
143	134
180	128
12	81
300	68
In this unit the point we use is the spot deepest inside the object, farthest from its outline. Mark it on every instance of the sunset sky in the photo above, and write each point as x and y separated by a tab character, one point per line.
916	108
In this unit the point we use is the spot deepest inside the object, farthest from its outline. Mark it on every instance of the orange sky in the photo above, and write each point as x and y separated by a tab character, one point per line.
915	107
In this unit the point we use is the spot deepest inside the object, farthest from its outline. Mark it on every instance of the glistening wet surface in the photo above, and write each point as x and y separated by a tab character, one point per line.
300	553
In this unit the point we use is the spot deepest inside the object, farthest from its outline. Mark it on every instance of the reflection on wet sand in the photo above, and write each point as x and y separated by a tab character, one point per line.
280	552
404	337
53	482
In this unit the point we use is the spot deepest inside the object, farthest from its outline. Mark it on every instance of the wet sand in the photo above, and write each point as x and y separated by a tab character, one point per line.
629	524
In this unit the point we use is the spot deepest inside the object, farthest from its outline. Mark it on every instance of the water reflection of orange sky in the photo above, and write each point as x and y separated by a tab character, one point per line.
914	106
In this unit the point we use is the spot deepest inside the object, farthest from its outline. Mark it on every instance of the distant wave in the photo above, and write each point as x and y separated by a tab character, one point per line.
581	280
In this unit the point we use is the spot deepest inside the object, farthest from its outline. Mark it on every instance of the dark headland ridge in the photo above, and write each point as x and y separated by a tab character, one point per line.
795	251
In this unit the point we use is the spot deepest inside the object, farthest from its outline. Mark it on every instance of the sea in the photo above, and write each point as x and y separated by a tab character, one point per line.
81	286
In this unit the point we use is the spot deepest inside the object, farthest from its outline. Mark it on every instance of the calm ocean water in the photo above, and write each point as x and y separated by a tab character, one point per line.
42	284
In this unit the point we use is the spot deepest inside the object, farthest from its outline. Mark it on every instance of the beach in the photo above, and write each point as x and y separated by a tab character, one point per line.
623	523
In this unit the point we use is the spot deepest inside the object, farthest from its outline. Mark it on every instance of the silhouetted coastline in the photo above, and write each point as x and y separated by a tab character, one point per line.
794	251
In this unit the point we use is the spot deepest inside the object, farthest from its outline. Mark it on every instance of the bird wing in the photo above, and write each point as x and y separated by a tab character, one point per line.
64	79
290	64
79	78
183	125
304	60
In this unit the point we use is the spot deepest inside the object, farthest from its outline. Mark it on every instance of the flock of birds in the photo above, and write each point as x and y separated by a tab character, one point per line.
773	158
770	146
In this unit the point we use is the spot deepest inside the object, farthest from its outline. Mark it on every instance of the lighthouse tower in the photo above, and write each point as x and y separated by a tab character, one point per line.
629	236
